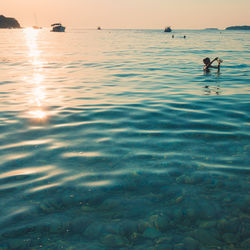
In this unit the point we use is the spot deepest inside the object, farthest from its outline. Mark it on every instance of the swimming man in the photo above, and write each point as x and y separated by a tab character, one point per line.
208	63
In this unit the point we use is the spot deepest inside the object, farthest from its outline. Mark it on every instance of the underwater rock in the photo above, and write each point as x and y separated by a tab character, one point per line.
244	205
138	240
221	225
146	245
112	240
49	206
94	230
163	243
89	248
164	240
87	208
79	225
191	213
174	173
127	228
179	246
185	179
208	224
245	244
151	233
171	192
162	247
228	226
110	204
111	228
161	223
55	228
176	215
181	179
245	227
229	238
207	210
205	237
15	244
4	246
190	243
142	225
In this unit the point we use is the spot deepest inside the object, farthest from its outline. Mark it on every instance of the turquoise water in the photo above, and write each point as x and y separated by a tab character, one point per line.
116	139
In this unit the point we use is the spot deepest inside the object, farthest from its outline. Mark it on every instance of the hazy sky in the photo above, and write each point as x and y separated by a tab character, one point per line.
129	13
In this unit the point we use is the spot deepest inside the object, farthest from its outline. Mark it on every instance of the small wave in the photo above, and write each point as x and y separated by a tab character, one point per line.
126	75
7	82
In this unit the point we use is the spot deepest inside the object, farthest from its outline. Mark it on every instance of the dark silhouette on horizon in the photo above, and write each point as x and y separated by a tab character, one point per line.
243	27
9	23
57	27
167	29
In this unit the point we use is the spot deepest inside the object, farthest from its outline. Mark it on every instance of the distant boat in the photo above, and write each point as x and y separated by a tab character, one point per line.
168	29
99	28
36	27
57	27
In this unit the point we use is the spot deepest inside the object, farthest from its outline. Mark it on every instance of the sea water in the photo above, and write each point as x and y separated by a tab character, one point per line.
117	139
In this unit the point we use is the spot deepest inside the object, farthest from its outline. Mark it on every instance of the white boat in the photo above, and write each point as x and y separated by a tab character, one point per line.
57	27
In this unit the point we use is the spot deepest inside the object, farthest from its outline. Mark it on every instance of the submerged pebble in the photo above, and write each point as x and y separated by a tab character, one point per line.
245	244
112	240
190	243
151	233
206	238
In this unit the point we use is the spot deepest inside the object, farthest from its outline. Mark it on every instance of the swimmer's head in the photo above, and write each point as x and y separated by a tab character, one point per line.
206	60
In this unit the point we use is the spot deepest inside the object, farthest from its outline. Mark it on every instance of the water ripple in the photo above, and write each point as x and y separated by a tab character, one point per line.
120	141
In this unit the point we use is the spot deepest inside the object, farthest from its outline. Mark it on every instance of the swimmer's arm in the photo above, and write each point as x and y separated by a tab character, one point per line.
218	66
216	58
210	64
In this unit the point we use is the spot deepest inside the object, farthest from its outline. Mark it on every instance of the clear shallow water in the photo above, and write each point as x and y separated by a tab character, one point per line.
116	139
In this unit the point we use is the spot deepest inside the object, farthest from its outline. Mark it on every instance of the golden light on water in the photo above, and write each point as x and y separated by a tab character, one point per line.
38	90
39	95
38	114
31	40
38	78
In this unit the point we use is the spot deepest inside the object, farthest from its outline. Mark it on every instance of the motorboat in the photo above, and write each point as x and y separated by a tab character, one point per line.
57	27
168	29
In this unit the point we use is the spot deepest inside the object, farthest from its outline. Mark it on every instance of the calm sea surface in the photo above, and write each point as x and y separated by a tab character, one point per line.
116	139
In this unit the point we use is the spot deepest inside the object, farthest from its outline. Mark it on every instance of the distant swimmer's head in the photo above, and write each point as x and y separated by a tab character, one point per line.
206	60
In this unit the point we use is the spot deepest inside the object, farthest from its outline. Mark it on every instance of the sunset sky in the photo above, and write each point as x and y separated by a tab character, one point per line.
129	13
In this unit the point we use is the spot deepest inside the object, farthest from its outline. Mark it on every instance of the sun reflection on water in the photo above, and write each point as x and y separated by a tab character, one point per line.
38	114
31	40
38	90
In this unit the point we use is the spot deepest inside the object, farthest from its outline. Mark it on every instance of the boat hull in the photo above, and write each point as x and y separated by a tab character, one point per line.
167	30
58	29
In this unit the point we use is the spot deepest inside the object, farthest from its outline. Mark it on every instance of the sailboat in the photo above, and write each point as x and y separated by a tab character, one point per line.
36	26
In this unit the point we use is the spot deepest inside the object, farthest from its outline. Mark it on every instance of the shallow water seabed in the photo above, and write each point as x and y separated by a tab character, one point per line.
117	140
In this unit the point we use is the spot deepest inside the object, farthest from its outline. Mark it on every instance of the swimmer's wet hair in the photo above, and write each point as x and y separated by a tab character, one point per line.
206	60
